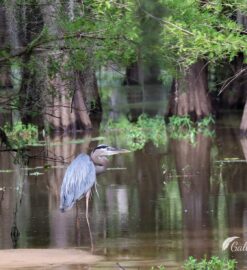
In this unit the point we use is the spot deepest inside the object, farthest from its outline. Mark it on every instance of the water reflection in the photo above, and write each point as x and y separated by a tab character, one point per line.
141	213
13	188
193	168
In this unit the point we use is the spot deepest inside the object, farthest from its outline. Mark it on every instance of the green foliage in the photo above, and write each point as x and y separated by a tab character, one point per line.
193	30
106	30
144	130
214	263
100	31
205	122
182	127
20	135
93	33
161	267
154	129
180	122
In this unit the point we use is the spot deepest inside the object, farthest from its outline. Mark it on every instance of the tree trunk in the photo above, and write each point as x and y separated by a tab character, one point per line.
146	70
65	105
243	125
143	72
59	112
5	75
233	97
64	98
189	94
75	97
132	75
88	81
242	19
29	94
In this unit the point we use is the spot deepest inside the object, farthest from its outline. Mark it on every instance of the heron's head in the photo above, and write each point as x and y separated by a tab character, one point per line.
101	152
104	150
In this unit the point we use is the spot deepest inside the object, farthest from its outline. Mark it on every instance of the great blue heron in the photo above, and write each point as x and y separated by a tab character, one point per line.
80	176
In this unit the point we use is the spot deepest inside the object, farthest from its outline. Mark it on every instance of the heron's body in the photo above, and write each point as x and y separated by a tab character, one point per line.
80	176
77	181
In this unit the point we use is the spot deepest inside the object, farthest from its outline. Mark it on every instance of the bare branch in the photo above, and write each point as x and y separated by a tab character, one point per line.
231	79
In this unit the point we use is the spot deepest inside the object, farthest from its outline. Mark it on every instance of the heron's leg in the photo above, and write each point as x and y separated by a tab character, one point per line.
77	216
76	209
88	223
87	202
78	232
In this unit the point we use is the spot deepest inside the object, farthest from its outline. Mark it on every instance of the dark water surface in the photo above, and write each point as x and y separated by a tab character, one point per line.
156	206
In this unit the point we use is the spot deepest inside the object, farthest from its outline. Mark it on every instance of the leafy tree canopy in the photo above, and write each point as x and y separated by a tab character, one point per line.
92	31
203	30
95	32
113	29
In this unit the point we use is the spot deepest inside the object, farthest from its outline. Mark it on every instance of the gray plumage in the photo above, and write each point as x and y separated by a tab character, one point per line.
79	178
80	175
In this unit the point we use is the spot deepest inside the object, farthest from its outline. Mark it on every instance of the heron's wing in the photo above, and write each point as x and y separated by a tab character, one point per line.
79	178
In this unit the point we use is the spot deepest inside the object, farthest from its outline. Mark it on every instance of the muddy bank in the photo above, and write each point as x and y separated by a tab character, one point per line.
24	258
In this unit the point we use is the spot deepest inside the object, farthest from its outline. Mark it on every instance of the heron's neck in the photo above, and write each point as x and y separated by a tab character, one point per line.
100	163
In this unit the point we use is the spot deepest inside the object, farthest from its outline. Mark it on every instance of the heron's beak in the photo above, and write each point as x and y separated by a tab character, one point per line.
114	151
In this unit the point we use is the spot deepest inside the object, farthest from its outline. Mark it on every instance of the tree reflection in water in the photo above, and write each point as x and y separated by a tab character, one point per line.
193	168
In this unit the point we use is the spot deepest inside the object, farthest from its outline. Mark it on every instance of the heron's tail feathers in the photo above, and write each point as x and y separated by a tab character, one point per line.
66	205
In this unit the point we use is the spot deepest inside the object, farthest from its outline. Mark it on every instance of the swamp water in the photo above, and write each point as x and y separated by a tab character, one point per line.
157	205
